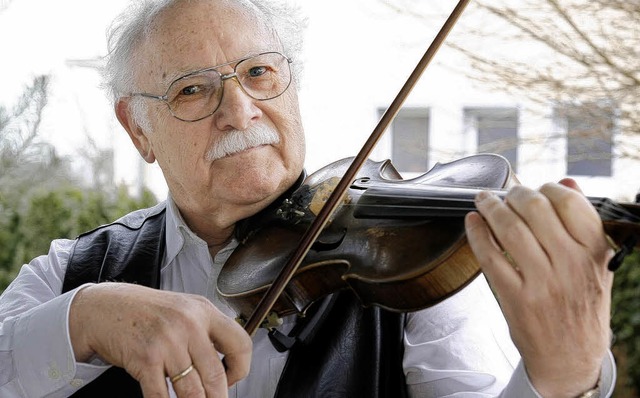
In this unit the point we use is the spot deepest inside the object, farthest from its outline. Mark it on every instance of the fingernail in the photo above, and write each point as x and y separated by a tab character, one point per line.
482	195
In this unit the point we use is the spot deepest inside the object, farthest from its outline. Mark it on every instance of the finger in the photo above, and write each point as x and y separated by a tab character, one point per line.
514	236
580	219
191	385
154	384
211	370
570	183
231	340
180	368
540	216
500	273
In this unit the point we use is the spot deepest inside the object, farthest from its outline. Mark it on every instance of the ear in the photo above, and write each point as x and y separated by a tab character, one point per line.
139	137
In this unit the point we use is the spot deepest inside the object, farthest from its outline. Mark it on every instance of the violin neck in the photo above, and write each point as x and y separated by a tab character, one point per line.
417	201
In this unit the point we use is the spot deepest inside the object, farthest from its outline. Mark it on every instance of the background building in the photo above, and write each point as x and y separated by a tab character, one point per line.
358	55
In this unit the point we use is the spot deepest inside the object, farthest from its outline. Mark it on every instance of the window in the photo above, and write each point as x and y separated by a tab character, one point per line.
497	131
409	133
589	130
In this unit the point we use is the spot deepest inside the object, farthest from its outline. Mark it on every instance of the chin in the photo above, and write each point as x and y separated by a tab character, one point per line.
258	174
256	186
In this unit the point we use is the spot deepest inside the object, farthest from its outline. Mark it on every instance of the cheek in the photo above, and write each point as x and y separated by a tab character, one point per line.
180	154
298	149
290	124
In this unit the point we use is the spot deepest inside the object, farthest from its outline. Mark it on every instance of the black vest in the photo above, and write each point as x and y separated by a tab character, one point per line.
352	352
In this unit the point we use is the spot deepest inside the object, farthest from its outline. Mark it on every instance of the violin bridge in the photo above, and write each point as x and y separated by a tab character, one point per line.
271	321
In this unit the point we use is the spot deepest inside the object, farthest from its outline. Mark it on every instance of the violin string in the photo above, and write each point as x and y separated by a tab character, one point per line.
613	211
607	209
616	214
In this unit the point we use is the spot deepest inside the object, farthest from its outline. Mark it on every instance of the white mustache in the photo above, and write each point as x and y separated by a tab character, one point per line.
240	140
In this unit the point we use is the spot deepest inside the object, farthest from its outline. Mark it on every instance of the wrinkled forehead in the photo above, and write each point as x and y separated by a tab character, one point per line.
193	35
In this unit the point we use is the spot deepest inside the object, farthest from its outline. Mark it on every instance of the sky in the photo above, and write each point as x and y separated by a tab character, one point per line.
38	36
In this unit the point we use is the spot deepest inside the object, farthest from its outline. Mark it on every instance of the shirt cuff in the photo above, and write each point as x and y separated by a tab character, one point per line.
608	376
520	385
43	354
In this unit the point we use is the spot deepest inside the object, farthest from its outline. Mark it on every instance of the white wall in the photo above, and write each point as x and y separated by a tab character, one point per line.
358	55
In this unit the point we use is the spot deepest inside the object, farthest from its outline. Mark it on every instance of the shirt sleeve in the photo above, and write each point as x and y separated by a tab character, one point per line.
36	355
461	347
520	386
461	344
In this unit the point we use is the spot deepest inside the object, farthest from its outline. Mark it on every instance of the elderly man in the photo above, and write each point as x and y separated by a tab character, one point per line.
204	88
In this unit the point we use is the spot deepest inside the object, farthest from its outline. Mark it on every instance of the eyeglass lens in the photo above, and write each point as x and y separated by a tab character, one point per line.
198	95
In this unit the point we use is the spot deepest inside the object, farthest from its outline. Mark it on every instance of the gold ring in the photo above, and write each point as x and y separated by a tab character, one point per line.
181	374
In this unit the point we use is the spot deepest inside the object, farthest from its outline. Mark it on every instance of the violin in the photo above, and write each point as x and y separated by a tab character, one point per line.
398	244
357	225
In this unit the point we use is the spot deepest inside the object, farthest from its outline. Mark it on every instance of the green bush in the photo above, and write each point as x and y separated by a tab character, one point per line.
27	231
625	319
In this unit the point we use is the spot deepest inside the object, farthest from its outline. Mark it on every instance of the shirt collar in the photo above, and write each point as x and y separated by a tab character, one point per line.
179	234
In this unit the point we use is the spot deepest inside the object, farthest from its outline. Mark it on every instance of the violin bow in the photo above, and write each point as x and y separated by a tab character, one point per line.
315	228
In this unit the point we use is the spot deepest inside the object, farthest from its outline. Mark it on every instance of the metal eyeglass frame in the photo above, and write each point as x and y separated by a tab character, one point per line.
233	75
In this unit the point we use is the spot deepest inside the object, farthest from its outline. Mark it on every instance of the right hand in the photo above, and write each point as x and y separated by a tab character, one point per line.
153	334
553	284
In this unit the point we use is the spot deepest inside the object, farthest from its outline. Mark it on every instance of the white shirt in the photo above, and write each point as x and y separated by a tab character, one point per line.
457	348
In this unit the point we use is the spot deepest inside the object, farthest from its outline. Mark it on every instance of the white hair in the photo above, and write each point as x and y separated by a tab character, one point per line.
133	25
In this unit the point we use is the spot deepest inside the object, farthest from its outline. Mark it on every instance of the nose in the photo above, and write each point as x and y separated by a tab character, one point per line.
237	109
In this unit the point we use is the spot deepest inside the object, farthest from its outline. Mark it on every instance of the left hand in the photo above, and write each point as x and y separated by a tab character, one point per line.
553	286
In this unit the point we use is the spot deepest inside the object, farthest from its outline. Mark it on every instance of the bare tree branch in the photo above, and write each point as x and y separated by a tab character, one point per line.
26	161
569	52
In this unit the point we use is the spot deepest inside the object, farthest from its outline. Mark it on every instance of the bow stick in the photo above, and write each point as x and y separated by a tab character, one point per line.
313	231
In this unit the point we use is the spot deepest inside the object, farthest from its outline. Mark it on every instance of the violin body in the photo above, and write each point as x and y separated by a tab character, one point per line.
402	262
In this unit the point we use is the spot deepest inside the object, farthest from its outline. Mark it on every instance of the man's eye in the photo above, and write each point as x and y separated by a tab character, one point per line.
190	90
257	71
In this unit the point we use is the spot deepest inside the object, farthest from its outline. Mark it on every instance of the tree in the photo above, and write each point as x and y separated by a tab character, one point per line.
26	161
40	197
62	212
576	55
625	320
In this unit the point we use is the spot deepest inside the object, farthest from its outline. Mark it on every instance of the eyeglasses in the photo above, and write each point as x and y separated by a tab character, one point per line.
198	95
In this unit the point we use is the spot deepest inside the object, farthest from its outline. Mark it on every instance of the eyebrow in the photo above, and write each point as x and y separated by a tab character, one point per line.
172	77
